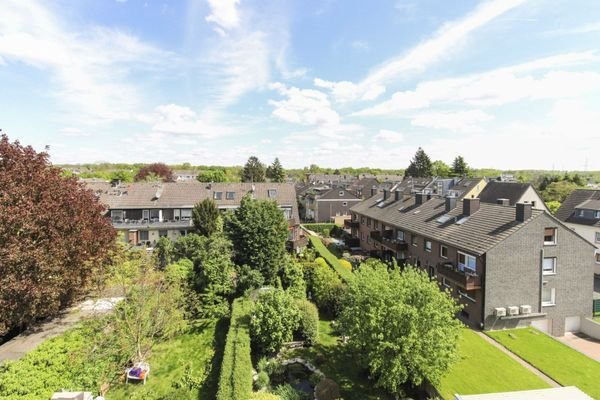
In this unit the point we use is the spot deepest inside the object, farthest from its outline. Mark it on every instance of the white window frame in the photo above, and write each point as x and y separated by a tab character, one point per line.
466	296
552	301
581	213
147	236
466	263
445	282
217	195
548	243
442	253
544	271
414	240
597	237
597	256
229	195
186	214
400	235
425	247
597	214
117	215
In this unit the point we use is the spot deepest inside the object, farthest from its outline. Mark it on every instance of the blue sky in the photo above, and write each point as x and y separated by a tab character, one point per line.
505	83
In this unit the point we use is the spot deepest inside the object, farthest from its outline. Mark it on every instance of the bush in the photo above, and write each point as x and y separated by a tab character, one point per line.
320	228
308	326
346	264
273	321
331	259
235	381
326	233
262	380
265	396
287	392
327	288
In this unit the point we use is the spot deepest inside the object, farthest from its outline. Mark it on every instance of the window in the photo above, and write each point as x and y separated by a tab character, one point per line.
550	236
230	195
445	282
548	296
217	195
362	236
272	193
467	295
414	240
369	222
549	266
443	251
362	220
154	215
427	245
144	236
581	213
597	214
597	237
116	215
466	262
400	235
376	224
186	214
598	257
183	233
162	234
146	214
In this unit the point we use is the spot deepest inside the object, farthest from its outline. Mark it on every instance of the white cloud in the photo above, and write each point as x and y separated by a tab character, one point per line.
345	91
304	107
577	30
456	121
74	132
497	87
360	45
224	14
389	136
180	120
444	42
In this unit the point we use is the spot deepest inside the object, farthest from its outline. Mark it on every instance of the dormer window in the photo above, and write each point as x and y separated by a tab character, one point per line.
581	213
230	196
218	195
598	214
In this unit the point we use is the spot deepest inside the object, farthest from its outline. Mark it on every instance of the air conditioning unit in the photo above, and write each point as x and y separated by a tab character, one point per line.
500	312
513	310
525	309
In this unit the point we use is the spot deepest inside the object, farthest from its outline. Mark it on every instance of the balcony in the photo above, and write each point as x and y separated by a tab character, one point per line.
466	280
395	244
349	224
151	224
376	236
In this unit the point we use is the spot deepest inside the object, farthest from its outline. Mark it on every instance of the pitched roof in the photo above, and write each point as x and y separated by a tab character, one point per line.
476	234
185	195
512	191
576	199
334	194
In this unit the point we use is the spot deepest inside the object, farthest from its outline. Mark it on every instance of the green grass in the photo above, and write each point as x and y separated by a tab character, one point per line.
557	360
482	368
199	348
332	358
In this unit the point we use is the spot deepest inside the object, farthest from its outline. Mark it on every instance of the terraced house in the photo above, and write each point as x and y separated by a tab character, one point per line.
146	211
508	265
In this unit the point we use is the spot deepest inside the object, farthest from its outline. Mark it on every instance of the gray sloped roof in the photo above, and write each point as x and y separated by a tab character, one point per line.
334	194
566	211
512	191
185	195
479	233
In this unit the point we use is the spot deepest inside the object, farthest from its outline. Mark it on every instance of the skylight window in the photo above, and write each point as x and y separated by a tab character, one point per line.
444	218
462	220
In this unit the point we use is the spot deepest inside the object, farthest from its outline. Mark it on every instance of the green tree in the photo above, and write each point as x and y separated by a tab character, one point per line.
553	206
254	171
440	169
212	175
326	287
460	167
163	252
258	231
189	246
558	191
420	165
308	322
273	321
122	175
275	172
292	278
207	217
411	332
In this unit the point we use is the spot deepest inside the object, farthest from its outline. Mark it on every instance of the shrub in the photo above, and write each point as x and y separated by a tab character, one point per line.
262	380
308	326
327	287
265	396
332	260
235	381
287	392
321	228
346	264
263	365
326	232
273	321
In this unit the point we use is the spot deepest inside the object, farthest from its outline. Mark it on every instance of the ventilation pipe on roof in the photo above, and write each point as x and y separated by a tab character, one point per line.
385	194
373	191
397	195
470	206
523	212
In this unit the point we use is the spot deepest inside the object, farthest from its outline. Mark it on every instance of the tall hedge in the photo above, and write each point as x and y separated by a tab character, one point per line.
235	382
331	259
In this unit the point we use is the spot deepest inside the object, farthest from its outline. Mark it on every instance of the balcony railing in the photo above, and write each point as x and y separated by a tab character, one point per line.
148	224
376	236
348	224
395	244
465	279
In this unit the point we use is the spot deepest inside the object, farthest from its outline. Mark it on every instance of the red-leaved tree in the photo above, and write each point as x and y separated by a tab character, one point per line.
52	236
158	170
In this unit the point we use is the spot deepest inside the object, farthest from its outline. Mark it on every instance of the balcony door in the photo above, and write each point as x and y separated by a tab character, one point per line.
146	215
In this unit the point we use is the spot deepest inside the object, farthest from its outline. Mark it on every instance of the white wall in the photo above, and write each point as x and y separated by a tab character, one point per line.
590	328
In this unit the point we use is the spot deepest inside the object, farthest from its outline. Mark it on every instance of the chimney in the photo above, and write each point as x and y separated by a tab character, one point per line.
385	194
420	199
470	206
450	203
523	212
396	195
503	202
373	191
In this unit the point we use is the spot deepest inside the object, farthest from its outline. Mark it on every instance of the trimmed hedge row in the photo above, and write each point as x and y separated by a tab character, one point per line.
320	228
235	382
331	259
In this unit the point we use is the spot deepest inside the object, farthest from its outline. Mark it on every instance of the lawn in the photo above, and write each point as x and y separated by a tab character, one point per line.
482	368
557	360
199	351
332	359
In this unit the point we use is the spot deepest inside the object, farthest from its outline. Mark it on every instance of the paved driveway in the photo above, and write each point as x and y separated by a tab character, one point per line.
582	343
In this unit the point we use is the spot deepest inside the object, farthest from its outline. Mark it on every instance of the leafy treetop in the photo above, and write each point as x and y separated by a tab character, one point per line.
420	165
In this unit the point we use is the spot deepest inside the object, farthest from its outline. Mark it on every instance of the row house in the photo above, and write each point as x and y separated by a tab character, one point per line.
144	211
512	193
508	266
329	204
581	212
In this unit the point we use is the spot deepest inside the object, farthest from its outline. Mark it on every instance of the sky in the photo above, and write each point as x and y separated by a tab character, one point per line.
508	84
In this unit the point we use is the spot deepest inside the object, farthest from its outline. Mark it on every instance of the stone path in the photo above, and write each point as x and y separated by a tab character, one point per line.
518	359
33	337
583	344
